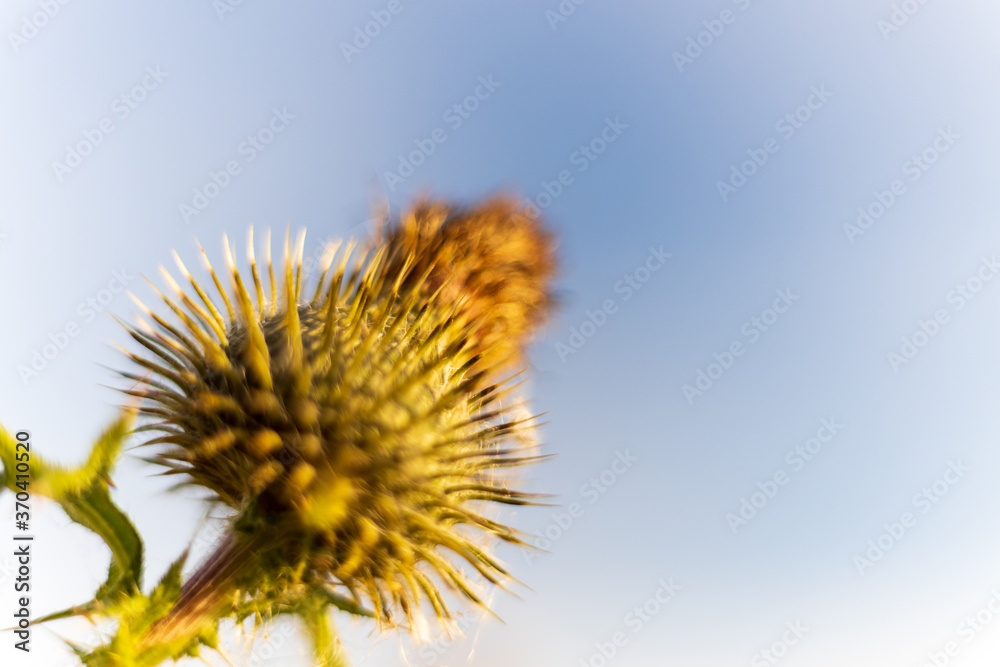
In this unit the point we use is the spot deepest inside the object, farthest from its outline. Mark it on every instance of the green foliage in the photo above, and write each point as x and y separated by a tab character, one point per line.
84	495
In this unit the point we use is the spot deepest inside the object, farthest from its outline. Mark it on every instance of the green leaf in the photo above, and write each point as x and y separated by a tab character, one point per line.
83	493
168	590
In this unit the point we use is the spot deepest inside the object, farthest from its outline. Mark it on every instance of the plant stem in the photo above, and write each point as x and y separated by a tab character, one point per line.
326	645
203	594
203	599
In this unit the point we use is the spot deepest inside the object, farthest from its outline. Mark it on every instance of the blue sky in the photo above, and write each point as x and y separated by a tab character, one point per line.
835	106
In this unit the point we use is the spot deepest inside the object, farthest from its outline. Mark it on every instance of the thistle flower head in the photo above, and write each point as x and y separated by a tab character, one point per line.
359	426
497	254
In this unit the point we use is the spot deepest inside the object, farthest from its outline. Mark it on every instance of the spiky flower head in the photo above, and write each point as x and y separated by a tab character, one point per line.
498	255
359	431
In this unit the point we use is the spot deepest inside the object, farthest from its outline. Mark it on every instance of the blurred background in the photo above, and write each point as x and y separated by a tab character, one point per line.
772	379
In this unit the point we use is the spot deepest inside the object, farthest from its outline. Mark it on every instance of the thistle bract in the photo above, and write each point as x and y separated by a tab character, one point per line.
357	428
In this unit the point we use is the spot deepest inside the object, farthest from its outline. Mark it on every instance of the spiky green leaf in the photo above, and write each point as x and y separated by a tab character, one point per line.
83	493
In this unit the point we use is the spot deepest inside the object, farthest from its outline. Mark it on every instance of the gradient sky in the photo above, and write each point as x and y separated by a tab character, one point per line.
555	86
